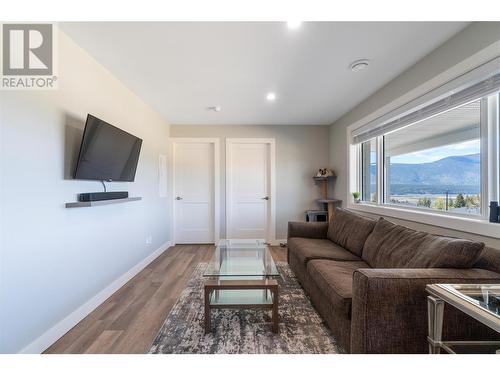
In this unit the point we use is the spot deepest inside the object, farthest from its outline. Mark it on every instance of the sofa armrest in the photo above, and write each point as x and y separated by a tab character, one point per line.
307	230
389	309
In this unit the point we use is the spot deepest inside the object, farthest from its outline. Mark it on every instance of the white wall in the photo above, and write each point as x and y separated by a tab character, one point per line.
477	44
300	152
55	259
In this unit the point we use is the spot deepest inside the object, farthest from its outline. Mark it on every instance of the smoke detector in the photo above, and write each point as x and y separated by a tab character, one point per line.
358	65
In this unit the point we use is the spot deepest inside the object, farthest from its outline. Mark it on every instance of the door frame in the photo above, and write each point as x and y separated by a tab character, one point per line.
216	180
271	230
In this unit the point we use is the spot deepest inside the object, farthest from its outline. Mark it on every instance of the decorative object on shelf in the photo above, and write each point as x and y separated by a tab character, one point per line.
325	172
356	195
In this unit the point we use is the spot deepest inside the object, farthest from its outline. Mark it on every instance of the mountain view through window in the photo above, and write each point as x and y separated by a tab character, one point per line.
435	164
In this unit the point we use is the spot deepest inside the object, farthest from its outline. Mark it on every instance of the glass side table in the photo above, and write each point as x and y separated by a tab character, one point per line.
480	301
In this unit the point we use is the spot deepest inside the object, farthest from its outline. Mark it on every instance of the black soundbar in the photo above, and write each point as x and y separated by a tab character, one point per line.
92	197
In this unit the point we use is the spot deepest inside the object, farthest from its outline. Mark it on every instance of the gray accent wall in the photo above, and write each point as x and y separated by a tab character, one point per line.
476	44
300	152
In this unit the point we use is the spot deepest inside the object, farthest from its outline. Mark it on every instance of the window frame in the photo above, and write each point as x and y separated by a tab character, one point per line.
490	181
363	159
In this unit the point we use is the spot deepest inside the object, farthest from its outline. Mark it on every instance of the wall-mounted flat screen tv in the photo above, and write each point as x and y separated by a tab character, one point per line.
107	153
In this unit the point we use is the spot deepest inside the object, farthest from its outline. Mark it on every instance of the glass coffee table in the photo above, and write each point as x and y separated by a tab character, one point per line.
241	275
480	301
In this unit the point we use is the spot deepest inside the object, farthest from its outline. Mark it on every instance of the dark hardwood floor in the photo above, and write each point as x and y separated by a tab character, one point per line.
127	322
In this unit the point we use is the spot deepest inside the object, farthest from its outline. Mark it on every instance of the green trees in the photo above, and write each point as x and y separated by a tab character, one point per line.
469	201
424	202
472	201
444	202
440	204
459	201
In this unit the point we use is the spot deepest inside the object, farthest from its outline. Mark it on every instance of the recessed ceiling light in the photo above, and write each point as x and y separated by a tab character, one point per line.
294	24
214	108
271	96
358	65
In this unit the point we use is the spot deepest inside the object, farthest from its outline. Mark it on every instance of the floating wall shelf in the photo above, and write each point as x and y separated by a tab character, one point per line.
101	203
323	178
338	201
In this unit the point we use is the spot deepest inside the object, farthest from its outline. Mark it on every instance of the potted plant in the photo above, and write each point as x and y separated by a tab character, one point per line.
356	196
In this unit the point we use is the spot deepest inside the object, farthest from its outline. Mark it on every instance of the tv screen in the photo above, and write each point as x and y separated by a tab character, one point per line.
107	153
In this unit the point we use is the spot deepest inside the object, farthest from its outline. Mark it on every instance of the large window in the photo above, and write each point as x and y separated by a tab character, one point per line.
436	163
441	157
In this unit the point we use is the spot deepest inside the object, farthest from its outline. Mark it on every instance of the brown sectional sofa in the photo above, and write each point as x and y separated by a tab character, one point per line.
367	280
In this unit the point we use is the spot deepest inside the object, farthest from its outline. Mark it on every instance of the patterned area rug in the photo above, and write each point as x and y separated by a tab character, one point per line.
302	331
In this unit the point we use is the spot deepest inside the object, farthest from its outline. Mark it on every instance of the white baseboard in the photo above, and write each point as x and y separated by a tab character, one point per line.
278	242
58	330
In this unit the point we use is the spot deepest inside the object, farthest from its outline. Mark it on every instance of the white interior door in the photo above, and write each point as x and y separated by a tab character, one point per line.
194	191
250	188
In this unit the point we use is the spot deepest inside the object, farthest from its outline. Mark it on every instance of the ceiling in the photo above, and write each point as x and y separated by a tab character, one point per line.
181	68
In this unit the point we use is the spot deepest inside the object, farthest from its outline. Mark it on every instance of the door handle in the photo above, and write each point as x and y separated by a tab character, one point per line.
178	198
266	198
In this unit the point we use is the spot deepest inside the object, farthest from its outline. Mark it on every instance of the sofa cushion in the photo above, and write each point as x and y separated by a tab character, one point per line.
349	230
446	252
489	260
334	279
396	246
306	249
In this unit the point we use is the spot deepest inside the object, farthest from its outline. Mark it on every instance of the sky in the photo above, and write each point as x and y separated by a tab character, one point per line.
433	154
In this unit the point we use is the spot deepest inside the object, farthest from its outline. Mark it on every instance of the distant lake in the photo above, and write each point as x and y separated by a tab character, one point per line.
418	189
411	200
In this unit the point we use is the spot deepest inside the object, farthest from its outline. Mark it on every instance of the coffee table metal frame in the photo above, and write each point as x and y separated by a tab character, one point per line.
242	282
213	286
